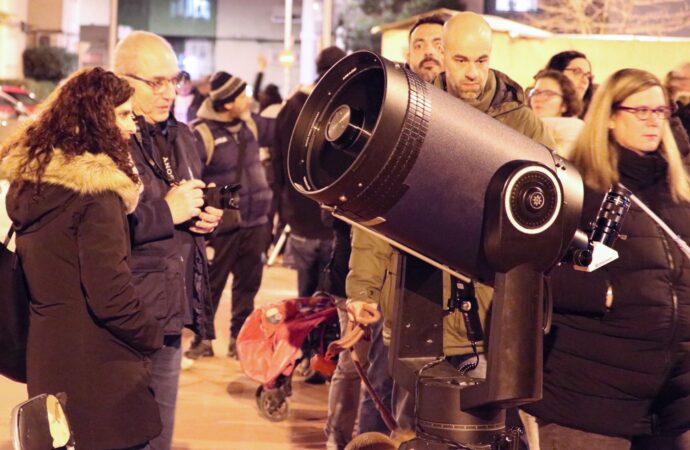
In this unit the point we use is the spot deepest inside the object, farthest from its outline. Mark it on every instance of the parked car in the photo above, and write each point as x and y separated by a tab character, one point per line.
25	101
8	110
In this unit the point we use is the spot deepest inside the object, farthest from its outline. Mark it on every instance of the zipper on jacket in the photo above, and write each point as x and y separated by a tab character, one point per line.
183	274
674	297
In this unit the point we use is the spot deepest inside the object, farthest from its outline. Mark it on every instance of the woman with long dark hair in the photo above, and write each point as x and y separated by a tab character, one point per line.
578	69
617	359
72	185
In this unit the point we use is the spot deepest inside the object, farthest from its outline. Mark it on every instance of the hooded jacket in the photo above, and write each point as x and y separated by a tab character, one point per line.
504	100
88	329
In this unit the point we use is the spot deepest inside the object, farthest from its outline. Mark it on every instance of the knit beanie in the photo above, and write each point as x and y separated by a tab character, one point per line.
225	88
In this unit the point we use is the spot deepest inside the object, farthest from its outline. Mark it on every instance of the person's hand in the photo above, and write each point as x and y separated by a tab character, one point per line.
262	62
362	312
209	219
185	200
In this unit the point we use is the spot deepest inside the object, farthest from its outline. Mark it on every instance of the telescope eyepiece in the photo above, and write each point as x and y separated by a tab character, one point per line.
609	220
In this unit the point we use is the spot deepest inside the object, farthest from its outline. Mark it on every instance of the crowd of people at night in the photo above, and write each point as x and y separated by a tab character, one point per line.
114	235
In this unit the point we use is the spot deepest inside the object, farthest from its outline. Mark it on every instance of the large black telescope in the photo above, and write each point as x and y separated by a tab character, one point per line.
420	166
406	160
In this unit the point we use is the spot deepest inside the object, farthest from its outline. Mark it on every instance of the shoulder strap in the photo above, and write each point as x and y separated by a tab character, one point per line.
241	153
9	236
207	138
253	128
682	245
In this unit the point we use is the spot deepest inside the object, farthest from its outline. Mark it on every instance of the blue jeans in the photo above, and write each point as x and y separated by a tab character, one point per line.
309	257
381	381
165	377
343	394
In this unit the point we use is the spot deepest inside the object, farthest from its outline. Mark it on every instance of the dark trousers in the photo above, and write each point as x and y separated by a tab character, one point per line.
309	257
240	253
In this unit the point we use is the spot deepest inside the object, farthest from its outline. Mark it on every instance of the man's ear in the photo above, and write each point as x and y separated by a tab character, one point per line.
407	55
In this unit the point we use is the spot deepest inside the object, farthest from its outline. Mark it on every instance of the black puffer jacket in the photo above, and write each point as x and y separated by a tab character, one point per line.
617	371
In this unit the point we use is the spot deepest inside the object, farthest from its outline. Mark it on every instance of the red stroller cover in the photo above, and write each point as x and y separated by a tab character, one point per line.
270	339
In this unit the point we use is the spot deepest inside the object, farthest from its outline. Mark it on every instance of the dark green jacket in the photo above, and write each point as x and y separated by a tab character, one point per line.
504	100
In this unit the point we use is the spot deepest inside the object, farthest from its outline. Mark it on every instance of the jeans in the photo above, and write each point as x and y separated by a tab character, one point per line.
343	393
165	377
309	257
238	252
381	381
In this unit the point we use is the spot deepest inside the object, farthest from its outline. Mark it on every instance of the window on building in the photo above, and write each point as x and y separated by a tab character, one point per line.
516	5
192	9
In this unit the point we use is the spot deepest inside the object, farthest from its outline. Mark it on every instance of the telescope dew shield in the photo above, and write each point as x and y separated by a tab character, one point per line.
417	165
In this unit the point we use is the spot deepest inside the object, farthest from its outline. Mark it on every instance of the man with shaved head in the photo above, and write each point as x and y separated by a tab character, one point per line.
168	261
467	42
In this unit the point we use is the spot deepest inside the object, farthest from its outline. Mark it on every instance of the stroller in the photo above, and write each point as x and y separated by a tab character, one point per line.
276	337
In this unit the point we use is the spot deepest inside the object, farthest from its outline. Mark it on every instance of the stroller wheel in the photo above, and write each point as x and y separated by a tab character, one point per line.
272	404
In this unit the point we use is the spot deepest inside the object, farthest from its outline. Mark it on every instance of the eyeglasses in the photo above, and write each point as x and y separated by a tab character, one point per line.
645	112
579	73
547	93
159	84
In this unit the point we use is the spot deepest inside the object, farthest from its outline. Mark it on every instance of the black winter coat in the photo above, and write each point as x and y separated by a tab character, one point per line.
618	371
301	213
88	330
169	262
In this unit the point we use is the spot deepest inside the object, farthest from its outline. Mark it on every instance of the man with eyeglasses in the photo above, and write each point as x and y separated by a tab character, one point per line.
167	229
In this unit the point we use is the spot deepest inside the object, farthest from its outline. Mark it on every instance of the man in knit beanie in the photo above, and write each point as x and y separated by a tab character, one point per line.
228	139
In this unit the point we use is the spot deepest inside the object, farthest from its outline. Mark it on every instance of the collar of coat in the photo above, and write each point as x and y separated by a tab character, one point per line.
88	173
207	112
501	94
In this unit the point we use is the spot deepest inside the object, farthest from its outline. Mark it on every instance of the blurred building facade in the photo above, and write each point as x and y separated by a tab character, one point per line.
207	35
13	19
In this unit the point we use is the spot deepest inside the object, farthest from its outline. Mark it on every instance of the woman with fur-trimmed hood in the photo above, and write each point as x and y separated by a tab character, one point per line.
73	183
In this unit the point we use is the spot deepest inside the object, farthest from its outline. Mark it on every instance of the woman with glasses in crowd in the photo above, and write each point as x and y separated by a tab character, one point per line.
555	101
617	358
72	184
578	69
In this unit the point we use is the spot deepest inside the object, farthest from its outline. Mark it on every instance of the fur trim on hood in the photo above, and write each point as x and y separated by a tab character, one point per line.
86	174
